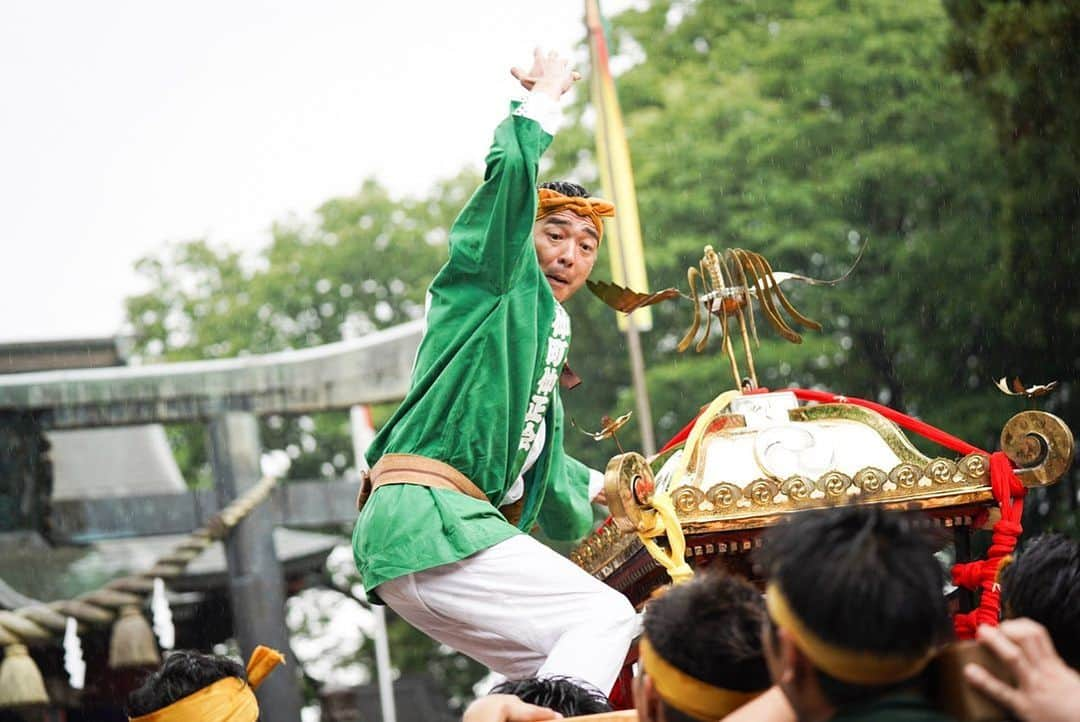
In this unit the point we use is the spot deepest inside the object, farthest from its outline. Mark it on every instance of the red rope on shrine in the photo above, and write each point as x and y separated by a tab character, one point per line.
1006	487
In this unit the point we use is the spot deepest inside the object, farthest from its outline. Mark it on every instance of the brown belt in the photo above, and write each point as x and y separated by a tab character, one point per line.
422	471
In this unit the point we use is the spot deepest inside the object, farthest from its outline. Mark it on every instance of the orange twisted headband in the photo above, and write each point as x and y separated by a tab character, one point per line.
592	208
228	700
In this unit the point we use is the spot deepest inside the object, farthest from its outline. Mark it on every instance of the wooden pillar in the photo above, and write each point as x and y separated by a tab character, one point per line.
256	579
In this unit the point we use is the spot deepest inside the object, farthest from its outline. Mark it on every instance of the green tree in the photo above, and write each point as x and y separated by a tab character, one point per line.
1021	61
797	129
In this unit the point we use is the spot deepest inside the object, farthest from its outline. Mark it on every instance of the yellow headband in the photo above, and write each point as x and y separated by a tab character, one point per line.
592	208
227	700
846	665
687	694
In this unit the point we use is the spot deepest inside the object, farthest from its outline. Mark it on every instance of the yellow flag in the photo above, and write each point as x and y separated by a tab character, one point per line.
623	233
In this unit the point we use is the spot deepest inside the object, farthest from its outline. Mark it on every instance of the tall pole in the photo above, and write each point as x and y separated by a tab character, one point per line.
362	434
382	665
641	391
613	158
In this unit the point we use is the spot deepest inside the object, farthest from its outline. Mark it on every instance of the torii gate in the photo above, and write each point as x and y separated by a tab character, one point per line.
227	395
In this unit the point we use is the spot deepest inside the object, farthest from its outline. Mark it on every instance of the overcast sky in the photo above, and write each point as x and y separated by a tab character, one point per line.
126	125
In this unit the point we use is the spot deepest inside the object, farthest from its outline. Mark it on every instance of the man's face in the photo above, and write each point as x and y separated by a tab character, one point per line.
566	247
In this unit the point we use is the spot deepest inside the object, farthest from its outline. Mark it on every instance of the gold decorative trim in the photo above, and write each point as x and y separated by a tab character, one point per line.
887	430
727	505
905	482
1040	444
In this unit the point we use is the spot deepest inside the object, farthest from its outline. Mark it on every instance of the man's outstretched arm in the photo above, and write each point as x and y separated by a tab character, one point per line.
495	228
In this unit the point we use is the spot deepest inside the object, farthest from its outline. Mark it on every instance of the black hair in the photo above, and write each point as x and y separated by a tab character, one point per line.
863	578
566	188
568	696
184	672
710	628
1044	584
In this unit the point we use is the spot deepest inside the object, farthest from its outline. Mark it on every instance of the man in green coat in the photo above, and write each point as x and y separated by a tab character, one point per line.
473	458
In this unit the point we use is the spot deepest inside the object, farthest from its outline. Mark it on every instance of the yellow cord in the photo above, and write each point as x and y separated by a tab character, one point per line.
666	522
719	404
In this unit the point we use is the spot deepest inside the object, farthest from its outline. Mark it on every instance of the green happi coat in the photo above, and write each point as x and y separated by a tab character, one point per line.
486	375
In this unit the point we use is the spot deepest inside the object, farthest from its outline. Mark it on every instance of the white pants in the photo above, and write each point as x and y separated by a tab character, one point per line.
523	610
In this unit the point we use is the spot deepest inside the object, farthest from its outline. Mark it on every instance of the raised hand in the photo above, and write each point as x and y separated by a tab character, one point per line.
550	73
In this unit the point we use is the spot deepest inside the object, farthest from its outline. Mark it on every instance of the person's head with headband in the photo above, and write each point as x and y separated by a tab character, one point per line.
567	233
701	654
209	688
856	607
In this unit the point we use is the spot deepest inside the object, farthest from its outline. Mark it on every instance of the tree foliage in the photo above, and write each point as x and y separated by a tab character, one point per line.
1022	62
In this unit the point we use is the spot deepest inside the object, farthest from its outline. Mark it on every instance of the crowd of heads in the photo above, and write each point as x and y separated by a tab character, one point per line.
852	624
851	619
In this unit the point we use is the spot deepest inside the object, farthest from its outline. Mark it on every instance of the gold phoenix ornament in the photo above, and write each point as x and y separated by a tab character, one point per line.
730	283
